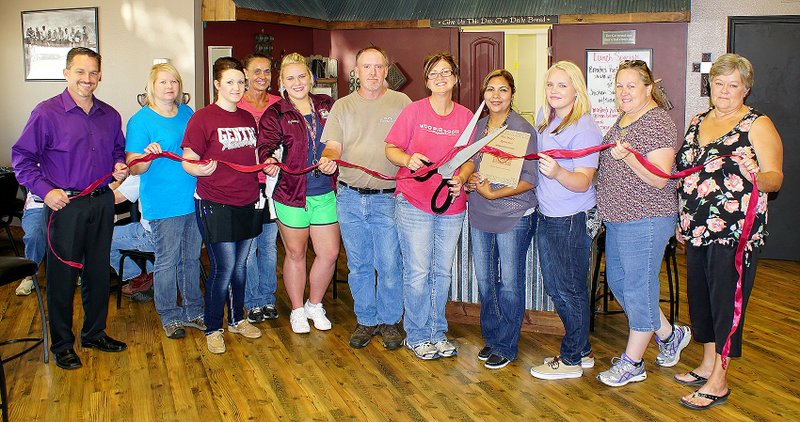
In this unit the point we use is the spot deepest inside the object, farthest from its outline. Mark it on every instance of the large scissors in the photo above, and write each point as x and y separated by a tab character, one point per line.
448	169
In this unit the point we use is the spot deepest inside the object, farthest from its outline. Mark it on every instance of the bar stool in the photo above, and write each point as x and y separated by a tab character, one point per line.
13	269
599	277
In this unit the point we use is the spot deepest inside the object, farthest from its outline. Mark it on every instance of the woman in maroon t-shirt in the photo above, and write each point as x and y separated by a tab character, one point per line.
225	198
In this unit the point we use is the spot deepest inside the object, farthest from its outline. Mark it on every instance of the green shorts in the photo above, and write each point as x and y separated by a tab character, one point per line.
320	210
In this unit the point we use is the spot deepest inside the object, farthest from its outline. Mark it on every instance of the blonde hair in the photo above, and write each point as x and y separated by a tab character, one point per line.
295	58
640	66
150	96
579	108
728	63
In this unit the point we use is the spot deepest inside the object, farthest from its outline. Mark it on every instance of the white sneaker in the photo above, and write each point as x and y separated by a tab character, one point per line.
25	287
299	321
316	313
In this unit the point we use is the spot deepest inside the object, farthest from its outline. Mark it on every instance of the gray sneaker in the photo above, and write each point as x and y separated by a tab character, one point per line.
445	348
424	351
255	315
196	323
269	312
622	372
669	353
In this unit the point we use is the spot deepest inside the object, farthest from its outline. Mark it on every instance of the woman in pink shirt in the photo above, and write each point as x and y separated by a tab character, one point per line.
426	131
262	281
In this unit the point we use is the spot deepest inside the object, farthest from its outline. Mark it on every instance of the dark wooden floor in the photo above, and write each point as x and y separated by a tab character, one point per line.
317	376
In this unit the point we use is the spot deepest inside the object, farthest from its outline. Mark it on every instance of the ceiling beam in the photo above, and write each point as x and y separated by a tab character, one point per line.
658	17
226	10
218	10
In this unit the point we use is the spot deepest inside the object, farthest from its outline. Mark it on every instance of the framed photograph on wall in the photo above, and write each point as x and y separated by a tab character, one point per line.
601	68
48	35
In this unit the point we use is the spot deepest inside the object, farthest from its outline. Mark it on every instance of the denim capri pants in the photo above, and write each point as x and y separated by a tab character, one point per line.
634	251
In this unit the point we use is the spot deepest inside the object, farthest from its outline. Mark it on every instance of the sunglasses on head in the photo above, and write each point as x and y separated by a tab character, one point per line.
640	63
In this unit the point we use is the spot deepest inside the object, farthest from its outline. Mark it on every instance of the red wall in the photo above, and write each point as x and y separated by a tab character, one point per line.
668	41
242	36
406	48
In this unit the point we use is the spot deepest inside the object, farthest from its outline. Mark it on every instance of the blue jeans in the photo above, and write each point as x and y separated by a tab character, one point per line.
428	245
226	279
634	251
34	227
177	269
499	260
130	236
370	240
564	245
262	279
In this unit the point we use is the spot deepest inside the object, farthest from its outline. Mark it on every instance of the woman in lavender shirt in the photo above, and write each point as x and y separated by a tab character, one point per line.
566	198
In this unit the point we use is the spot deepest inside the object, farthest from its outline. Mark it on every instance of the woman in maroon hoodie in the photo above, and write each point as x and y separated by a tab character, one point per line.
305	204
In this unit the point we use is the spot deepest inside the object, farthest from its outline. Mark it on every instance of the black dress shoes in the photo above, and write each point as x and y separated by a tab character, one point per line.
68	359
104	344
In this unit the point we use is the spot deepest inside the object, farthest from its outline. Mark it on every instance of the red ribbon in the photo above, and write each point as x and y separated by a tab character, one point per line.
554	153
749	218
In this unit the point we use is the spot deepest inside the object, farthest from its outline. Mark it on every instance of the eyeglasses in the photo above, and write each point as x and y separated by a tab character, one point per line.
445	73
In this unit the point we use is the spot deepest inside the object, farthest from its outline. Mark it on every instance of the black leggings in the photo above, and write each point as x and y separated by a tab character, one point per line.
711	286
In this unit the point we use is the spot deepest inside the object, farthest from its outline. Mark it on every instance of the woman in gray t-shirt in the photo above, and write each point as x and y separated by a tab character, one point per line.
502	224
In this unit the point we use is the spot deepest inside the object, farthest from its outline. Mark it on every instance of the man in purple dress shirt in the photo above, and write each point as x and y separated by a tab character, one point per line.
70	141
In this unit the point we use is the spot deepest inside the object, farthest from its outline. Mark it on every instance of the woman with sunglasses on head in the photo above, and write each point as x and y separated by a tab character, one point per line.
306	203
424	133
566	196
502	223
262	280
639	210
225	199
713	203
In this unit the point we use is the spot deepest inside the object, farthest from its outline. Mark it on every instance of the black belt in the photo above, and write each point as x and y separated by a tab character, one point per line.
96	192
367	191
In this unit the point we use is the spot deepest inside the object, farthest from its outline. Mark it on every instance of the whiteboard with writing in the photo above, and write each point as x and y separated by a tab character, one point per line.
601	67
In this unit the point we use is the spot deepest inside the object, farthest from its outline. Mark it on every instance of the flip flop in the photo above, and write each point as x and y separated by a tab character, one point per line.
698	380
715	400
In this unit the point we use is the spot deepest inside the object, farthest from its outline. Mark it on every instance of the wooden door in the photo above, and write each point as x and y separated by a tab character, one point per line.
479	54
770	43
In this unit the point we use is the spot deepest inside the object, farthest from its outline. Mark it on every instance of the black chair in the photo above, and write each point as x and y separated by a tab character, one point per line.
13	269
10	205
139	257
599	277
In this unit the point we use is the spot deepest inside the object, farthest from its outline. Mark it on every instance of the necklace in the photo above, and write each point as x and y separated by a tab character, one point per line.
488	126
311	129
